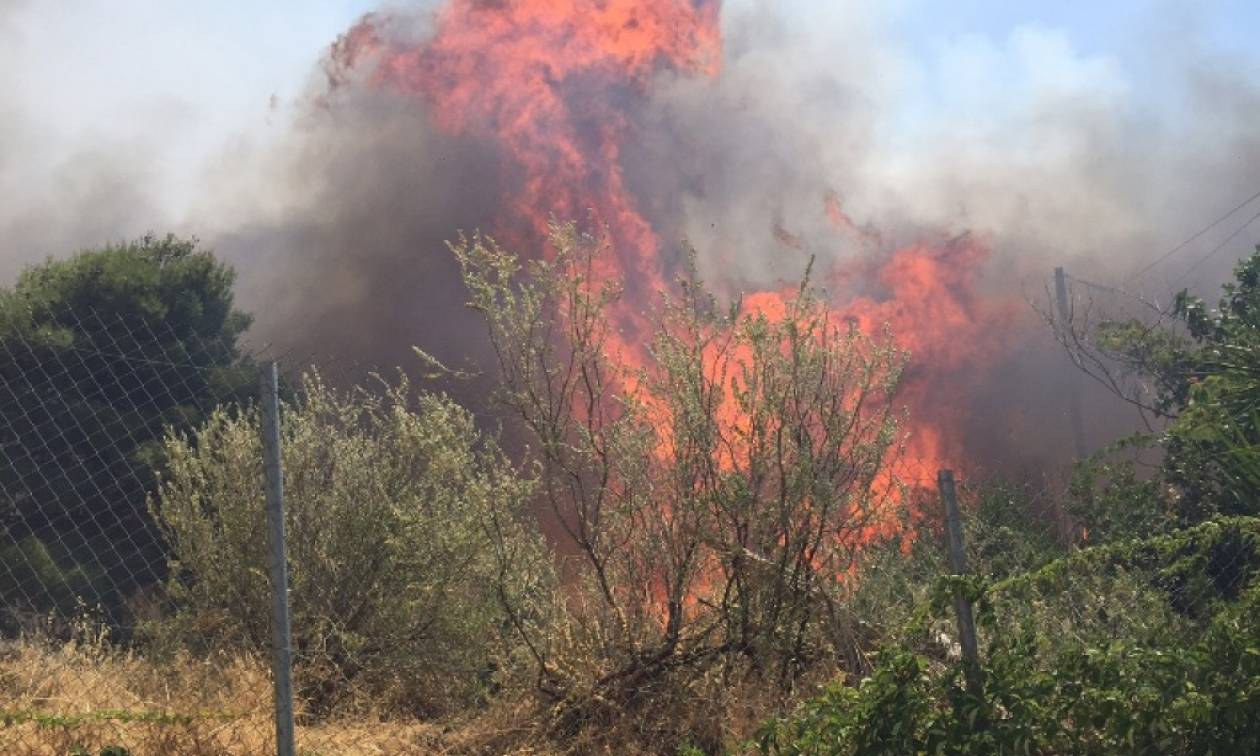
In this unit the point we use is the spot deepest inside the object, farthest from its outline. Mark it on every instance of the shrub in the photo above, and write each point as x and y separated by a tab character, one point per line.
1009	530
1094	653
713	483
406	539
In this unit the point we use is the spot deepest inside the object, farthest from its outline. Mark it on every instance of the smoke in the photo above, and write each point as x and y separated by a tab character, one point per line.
345	255
1045	151
66	184
1051	154
824	134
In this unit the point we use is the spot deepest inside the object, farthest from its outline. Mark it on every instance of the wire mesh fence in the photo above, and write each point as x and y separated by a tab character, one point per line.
86	400
133	486
92	407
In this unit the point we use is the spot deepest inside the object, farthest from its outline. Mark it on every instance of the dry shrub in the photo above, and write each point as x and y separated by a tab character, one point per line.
713	483
86	696
56	697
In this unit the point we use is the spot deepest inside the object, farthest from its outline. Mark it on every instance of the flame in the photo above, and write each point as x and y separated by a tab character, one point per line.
931	306
548	80
552	83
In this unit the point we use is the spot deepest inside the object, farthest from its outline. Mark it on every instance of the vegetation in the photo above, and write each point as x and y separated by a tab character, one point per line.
99	355
712	497
87	697
1198	370
406	540
732	566
1146	646
1144	641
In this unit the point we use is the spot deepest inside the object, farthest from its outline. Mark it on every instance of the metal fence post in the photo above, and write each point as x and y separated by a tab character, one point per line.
281	648
958	565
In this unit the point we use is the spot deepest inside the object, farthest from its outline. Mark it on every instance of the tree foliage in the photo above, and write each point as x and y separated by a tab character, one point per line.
99	354
1094	653
1214	442
1198	369
407	542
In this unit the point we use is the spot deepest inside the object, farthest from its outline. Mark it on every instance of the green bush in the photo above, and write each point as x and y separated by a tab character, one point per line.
1095	653
1008	532
407	542
1197	368
99	354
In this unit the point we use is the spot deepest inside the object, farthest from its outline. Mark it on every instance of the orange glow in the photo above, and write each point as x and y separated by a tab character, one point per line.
834	208
517	72
930	305
551	84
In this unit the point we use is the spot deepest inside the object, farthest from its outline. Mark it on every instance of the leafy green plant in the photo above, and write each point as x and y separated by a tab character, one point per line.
410	550
1093	653
1198	370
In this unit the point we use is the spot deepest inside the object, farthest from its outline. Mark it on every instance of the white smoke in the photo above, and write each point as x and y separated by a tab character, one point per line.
1054	155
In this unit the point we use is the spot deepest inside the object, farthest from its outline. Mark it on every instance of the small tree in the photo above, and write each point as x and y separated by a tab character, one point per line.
405	535
1196	371
713	498
99	354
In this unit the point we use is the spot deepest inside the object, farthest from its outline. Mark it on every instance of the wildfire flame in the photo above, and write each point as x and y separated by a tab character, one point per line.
553	84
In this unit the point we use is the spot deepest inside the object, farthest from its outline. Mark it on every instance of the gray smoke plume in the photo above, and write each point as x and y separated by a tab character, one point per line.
69	185
1047	152
336	217
353	263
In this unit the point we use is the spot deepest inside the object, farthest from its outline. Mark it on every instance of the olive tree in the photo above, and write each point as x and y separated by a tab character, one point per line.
406	538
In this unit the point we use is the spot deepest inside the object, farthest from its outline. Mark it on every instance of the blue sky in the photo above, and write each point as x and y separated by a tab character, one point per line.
1140	39
224	60
1109	26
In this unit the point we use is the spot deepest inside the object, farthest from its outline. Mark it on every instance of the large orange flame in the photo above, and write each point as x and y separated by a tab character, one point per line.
552	84
549	80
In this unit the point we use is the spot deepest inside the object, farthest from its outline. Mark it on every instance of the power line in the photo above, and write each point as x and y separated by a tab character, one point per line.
1193	266
1218	247
1098	286
1193	238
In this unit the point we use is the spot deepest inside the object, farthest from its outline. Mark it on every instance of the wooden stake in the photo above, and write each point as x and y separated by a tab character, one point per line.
958	565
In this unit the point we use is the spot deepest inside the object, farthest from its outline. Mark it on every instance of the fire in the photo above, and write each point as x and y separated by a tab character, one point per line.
930	305
553	84
550	80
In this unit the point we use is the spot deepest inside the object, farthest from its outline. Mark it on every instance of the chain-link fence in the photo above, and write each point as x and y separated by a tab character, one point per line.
138	567
113	497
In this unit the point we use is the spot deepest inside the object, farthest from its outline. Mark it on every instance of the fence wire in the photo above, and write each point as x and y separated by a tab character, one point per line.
89	658
97	657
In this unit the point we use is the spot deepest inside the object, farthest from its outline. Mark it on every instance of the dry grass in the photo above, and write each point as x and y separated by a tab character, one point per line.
82	698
